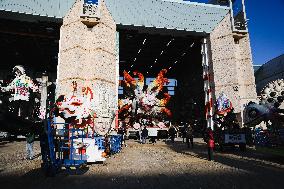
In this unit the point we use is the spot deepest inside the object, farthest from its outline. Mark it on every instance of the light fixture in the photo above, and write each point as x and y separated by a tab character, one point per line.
134	60
170	42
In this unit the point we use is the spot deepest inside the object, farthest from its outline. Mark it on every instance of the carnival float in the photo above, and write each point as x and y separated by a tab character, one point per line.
144	105
269	113
227	130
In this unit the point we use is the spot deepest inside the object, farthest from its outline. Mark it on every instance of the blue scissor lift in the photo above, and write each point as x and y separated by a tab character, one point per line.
57	147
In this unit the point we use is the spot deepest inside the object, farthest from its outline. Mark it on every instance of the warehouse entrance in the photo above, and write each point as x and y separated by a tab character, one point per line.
148	52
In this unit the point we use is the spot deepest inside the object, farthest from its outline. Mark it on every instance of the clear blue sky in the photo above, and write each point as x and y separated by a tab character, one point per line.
266	27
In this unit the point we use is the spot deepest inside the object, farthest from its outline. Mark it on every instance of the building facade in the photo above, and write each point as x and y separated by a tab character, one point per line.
91	37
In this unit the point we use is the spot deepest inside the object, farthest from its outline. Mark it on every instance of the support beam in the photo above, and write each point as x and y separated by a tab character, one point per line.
207	85
44	83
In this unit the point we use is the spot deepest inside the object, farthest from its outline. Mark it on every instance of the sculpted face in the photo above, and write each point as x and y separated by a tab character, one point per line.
18	70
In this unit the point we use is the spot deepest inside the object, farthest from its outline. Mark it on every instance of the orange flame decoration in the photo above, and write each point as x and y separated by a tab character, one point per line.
140	79
167	111
125	107
159	81
120	103
128	80
165	101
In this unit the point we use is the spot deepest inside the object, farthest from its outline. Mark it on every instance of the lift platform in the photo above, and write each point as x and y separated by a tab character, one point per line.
63	145
57	147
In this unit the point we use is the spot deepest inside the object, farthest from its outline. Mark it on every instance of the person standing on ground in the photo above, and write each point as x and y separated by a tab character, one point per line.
189	136
122	132
172	133
144	135
30	138
138	126
210	143
183	132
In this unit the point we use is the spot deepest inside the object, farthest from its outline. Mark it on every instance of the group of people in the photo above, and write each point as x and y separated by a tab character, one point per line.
152	133
187	134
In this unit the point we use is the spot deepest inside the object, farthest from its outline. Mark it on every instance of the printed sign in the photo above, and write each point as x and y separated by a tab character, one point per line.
235	138
152	132
90	1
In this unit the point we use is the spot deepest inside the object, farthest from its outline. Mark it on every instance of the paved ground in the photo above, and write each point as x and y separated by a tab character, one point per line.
163	165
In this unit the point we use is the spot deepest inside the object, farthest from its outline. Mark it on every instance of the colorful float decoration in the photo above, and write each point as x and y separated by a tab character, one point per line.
139	100
21	85
80	106
223	105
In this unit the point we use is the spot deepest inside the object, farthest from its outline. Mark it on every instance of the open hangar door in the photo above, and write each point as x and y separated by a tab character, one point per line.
150	51
31	43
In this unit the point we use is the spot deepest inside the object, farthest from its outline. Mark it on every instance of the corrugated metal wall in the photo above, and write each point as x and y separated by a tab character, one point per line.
272	70
178	15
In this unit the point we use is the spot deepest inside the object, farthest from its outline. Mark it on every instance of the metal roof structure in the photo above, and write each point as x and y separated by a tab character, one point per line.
167	14
45	8
272	70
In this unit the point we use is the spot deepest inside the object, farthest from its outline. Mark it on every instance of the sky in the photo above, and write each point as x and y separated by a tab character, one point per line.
266	28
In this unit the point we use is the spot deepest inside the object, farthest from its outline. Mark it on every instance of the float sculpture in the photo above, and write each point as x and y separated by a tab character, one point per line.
227	131
139	100
269	110
19	111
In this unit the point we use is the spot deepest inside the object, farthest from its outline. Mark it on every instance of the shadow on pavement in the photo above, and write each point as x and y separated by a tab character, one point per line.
200	151
241	171
35	179
250	161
